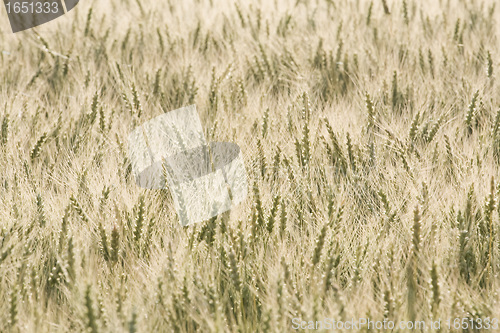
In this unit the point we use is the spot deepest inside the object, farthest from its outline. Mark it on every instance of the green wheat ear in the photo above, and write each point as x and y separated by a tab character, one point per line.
388	305
132	325
35	152
496	137
4	134
320	242
386	7
413	266
235	276
489	209
139	222
430	59
283	218
79	210
103	242
13	307
370	113
350	152
90	312
41	210
88	23
436	293
489	65
272	214
71	260
369	15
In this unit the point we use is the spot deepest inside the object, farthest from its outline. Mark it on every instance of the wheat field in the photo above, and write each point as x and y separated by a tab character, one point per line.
370	132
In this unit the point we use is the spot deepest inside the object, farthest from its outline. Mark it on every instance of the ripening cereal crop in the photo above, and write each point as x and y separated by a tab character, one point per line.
370	132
